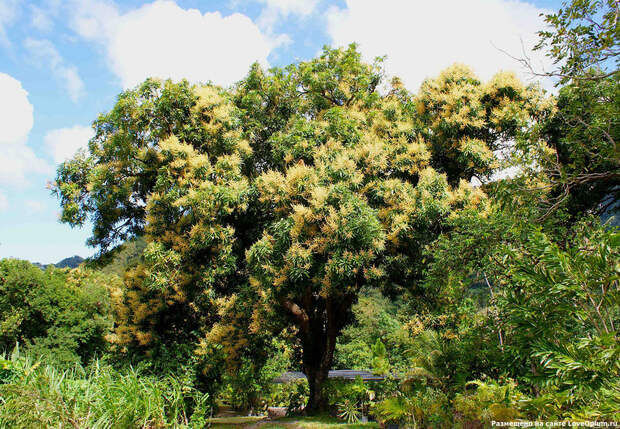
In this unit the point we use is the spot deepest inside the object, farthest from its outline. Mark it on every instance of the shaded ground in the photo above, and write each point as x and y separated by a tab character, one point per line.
234	422
286	423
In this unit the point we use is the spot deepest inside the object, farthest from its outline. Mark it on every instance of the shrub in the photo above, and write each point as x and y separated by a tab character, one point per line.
353	393
427	408
293	395
489	401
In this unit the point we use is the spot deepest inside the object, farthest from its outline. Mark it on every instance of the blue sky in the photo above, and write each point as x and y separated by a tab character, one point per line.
64	61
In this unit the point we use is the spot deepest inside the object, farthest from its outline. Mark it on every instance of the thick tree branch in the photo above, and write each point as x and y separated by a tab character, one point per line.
298	313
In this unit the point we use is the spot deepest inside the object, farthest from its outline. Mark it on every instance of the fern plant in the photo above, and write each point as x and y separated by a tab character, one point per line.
397	409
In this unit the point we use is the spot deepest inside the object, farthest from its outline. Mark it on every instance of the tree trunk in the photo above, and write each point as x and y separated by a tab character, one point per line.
317	402
318	352
320	321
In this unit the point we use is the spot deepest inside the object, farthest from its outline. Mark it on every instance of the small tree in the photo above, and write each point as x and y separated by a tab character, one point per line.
380	362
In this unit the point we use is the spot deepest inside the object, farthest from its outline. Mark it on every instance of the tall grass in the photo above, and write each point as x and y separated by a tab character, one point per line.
33	395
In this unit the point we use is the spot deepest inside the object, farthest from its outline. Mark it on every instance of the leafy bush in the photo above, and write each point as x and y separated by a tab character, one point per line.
427	408
293	395
356	392
249	386
582	379
489	401
380	363
394	410
560	292
246	389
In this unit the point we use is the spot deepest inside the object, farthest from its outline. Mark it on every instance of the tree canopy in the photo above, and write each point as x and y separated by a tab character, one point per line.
274	203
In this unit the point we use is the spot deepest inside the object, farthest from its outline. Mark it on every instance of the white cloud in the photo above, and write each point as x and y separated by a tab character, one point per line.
4	202
277	9
297	7
43	14
16	112
40	18
63	143
44	50
17	161
421	38
8	13
94	19
163	40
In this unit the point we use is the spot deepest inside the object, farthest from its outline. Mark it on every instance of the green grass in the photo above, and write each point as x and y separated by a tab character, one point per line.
225	426
233	421
35	395
229	426
320	422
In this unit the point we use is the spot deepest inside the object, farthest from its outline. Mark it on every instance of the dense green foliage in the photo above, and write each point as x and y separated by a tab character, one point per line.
58	315
551	316
377	320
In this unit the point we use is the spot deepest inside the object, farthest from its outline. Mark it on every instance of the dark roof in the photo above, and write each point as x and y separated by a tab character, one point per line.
345	374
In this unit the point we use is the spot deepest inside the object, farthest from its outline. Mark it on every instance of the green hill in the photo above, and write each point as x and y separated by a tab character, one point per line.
71	262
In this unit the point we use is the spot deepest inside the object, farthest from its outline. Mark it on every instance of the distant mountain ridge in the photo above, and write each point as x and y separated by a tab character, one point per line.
114	262
71	262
